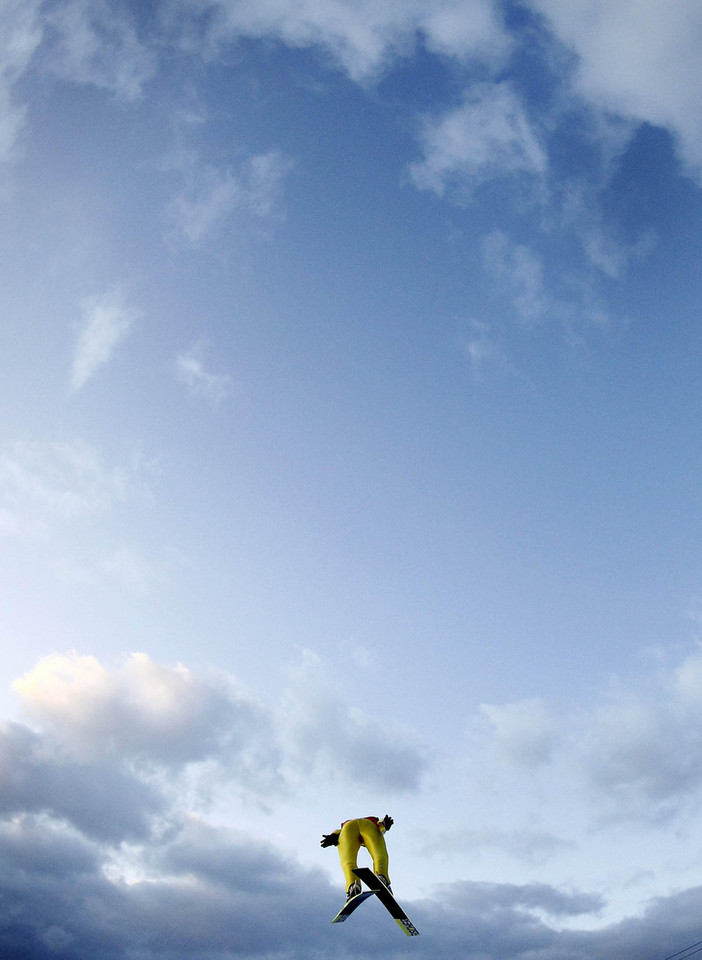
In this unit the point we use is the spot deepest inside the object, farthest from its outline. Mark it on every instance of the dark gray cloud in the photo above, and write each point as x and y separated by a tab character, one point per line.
98	798
214	894
99	862
532	896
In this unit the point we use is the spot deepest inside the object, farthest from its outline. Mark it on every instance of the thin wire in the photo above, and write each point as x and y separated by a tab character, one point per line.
698	950
684	950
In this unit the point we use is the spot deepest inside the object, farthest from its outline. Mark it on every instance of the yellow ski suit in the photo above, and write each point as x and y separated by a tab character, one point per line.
364	832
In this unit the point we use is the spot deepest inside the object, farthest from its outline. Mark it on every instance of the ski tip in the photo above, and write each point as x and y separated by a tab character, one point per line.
407	926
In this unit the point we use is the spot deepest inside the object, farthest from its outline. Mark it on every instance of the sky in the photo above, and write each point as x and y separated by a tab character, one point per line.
349	453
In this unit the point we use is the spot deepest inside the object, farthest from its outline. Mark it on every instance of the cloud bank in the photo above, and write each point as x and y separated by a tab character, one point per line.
101	855
636	754
103	847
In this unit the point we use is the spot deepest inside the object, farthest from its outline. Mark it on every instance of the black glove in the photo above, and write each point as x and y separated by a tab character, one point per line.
387	821
330	840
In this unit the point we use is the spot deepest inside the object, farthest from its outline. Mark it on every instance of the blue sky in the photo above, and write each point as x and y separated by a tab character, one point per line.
348	464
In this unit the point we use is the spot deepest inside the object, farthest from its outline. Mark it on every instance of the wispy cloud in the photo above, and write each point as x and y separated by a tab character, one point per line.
489	136
523	731
45	482
520	271
95	42
571	301
20	36
107	321
482	348
82	41
129	567
215	196
191	370
326	735
528	844
363	37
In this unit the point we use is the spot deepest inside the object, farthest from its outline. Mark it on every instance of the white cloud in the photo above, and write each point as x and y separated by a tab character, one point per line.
572	301
143	711
214	196
523	731
643	749
106	323
20	35
532	845
128	567
83	41
634	754
482	348
196	738
95	42
638	58
44	482
13	525
190	366
582	212
520	271
488	136
324	734
362	35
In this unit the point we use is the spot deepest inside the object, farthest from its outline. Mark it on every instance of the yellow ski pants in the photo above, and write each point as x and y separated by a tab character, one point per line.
355	834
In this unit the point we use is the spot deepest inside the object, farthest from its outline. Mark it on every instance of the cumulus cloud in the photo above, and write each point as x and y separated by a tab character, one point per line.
489	135
97	798
153	717
145	712
98	859
635	754
637	58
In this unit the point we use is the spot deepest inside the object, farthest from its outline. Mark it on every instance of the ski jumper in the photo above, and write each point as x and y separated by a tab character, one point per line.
365	832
